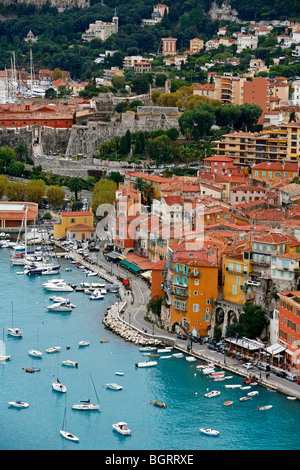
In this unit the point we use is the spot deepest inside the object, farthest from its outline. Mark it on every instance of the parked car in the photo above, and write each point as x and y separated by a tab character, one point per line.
248	365
281	373
194	339
291	378
213	347
298	381
184	337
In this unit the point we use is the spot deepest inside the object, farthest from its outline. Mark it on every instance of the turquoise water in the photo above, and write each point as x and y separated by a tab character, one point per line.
174	381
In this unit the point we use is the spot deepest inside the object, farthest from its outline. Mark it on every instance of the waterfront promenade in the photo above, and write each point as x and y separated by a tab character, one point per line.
132	309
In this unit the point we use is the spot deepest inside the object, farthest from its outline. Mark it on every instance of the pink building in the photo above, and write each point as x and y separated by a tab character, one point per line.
246	193
218	164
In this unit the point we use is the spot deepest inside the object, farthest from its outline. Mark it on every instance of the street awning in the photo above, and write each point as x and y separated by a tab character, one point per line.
113	255
131	266
275	349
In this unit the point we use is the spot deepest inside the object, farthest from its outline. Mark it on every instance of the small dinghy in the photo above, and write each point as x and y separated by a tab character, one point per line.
266	407
114	386
291	398
209	432
226	403
245	398
121	428
119	373
81	344
251	394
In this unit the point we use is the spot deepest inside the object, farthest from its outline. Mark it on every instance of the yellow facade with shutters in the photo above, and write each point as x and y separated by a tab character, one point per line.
68	219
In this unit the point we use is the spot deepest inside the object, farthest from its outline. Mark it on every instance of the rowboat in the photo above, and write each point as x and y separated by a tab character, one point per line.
226	403
103	340
245	398
146	364
217	374
251	394
266	407
159	403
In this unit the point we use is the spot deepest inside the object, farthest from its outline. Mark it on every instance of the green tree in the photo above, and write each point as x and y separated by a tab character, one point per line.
35	191
123	146
198	121
15	191
16	169
7	156
140	85
159	149
55	196
50	94
118	81
76	185
253	319
3	183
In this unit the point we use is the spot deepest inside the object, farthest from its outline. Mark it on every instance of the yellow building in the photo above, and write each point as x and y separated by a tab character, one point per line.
191	286
280	143
236	266
196	45
78	223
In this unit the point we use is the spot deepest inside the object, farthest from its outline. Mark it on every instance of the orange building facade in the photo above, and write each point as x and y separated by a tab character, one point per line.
289	326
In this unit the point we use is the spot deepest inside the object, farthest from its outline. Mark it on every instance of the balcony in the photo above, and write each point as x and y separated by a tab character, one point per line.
180	305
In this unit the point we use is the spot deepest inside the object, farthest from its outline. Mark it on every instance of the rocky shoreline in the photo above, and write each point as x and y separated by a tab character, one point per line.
113	322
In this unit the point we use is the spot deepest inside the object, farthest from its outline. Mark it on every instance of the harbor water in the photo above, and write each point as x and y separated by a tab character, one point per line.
177	382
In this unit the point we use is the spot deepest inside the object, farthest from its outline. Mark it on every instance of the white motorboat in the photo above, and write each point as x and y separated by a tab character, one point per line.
58	287
59	387
209	432
213	393
148	348
121	428
16	332
92	274
251	394
166	357
53	349
291	398
119	373
18	404
207	370
60	307
97	295
35	353
190	358
164	350
233	386
146	364
69	363
114	386
266	407
103	291
83	343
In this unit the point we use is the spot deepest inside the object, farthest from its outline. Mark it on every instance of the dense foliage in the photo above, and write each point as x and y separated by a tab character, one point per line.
59	34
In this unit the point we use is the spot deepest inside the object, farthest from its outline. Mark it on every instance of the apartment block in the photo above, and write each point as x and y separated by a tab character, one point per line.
229	89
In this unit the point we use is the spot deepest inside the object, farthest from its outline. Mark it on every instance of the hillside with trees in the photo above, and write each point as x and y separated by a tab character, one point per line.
59	34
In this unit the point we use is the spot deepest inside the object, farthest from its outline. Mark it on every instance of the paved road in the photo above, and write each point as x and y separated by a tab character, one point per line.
135	317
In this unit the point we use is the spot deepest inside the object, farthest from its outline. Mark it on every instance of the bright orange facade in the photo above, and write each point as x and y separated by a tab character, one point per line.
289	325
